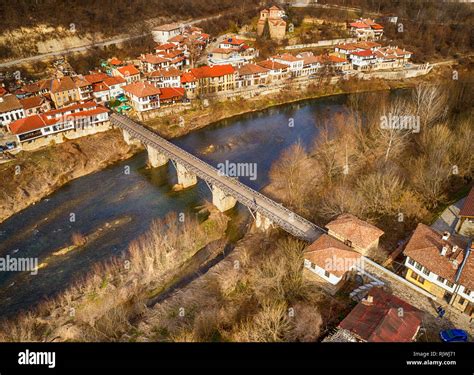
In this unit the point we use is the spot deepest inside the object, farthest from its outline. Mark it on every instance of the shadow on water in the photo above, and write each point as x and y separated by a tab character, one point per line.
126	197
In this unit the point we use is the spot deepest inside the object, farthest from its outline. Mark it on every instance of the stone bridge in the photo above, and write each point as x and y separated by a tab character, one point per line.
226	191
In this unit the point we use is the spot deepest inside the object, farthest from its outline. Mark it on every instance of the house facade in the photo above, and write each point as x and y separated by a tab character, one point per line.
143	96
128	72
330	263
76	117
64	92
252	75
355	233
10	109
214	79
443	266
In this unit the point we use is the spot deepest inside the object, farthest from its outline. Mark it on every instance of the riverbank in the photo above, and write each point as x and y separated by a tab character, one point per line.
40	173
35	175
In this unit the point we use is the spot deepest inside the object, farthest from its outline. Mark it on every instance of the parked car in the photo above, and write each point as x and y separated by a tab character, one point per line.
453	335
10	145
2	148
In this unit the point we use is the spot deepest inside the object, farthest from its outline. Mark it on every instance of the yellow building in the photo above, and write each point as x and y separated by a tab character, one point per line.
214	79
443	266
64	92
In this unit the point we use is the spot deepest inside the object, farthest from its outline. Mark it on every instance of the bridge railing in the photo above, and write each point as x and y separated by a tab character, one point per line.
199	167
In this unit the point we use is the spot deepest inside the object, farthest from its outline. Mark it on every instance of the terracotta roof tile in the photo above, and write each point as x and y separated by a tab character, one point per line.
425	247
380	320
331	255
358	231
468	206
141	89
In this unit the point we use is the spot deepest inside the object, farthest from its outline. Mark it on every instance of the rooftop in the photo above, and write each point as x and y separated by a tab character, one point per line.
378	318
358	231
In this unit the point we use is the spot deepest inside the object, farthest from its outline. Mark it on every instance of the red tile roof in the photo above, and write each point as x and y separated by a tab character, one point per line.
111	81
128	70
386	319
213	71
141	89
95	77
425	247
62	84
35	122
153	59
287	57
363	53
331	255
32	102
175	93
358	231
468	206
249	69
272	65
9	103
171	72
115	61
188	77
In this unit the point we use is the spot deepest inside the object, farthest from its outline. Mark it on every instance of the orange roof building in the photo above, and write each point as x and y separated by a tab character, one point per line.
354	232
330	261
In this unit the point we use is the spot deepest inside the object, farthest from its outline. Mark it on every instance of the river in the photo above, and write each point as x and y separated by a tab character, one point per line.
124	198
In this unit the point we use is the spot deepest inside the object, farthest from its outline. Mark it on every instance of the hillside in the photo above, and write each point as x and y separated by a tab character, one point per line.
30	27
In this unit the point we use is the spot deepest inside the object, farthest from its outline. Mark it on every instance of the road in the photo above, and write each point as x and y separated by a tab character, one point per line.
86	47
277	213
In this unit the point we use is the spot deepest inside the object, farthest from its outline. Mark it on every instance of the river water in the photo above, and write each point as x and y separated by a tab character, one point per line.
124	198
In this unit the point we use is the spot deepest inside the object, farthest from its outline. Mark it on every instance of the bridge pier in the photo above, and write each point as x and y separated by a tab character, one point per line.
155	158
221	200
129	140
262	222
185	177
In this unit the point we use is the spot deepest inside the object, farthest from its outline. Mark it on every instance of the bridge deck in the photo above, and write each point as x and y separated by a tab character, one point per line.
279	215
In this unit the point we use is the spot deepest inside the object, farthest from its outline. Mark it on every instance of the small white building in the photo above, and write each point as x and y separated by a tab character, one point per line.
294	63
143	96
329	262
162	33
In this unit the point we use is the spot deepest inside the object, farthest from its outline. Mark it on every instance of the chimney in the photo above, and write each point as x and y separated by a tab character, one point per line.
445	236
369	300
444	250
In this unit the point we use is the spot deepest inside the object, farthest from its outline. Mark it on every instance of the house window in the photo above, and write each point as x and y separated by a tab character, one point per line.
426	271
461	301
418	278
449	284
441	279
418	266
313	266
467	292
327	274
411	261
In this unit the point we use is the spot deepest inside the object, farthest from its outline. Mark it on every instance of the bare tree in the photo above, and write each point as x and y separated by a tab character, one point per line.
430	103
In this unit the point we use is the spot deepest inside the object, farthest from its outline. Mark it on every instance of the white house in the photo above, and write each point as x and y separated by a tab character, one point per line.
329	262
294	63
162	33
76	117
165	77
143	96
